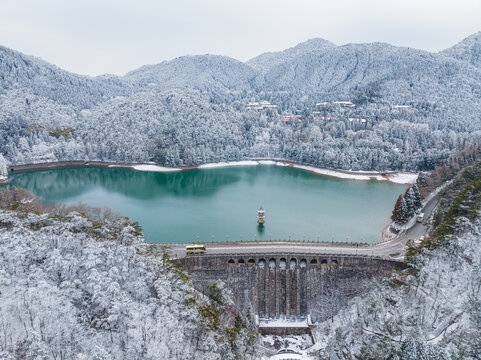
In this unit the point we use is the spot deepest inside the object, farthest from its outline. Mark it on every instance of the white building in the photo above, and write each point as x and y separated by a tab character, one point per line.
260	105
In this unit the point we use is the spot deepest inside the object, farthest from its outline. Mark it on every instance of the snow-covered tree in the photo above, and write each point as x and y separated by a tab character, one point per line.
401	212
72	289
3	167
417	197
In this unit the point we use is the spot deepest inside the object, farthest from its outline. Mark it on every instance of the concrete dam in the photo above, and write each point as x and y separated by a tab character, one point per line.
290	286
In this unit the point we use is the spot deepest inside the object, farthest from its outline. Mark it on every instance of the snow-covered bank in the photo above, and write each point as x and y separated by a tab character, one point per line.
398	178
154	168
272	162
147	167
229	164
403	178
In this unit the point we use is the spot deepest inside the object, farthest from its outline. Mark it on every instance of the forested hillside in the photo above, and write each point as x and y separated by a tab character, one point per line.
80	283
431	310
408	109
467	50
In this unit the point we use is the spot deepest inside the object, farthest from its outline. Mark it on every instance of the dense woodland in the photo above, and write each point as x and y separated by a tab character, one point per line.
81	283
192	109
115	298
431	310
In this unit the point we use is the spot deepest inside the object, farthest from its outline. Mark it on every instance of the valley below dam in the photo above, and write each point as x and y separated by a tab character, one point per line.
220	204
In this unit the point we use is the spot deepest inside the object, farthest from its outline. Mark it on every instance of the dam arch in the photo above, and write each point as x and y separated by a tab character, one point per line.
290	286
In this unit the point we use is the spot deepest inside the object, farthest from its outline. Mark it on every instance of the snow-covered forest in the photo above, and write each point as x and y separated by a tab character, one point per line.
432	309
434	314
80	283
412	108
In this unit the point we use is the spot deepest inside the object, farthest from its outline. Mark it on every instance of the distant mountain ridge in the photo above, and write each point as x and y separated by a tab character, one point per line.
316	66
468	50
19	71
203	72
192	109
264	62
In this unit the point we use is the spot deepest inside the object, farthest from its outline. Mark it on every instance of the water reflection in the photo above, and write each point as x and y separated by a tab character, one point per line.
54	185
221	204
260	230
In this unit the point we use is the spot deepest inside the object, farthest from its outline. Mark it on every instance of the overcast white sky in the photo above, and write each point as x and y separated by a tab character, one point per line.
115	36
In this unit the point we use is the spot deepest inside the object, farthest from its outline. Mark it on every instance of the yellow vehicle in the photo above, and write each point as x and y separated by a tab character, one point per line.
195	249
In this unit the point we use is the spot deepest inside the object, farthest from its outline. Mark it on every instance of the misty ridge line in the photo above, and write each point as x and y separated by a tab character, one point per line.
253	62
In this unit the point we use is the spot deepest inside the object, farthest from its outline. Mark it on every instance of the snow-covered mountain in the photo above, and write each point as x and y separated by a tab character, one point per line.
266	61
20	72
431	309
202	72
435	314
395	74
468	50
192	109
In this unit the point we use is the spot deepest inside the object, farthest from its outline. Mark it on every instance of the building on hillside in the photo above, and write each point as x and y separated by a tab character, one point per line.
357	120
260	105
292	118
345	104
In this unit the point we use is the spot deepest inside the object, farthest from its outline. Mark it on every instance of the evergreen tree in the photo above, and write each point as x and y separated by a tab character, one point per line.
409	197
400	213
395	213
417	197
404	214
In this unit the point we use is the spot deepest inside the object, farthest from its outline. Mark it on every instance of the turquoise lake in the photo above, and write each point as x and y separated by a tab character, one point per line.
221	204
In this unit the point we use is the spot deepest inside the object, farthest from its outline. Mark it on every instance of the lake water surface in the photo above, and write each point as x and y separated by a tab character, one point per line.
221	204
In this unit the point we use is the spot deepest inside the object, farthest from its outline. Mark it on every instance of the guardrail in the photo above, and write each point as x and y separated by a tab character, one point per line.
346	244
280	253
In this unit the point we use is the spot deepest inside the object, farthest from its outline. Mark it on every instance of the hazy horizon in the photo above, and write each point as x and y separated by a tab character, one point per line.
97	37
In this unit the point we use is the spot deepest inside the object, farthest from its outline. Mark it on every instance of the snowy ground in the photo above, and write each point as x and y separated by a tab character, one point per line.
154	168
287	347
228	164
147	167
403	178
398	178
283	323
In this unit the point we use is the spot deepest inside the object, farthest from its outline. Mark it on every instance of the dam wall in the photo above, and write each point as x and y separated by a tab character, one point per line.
275	286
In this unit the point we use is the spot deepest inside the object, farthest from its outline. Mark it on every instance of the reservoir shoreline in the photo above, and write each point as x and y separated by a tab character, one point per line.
218	204
390	176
